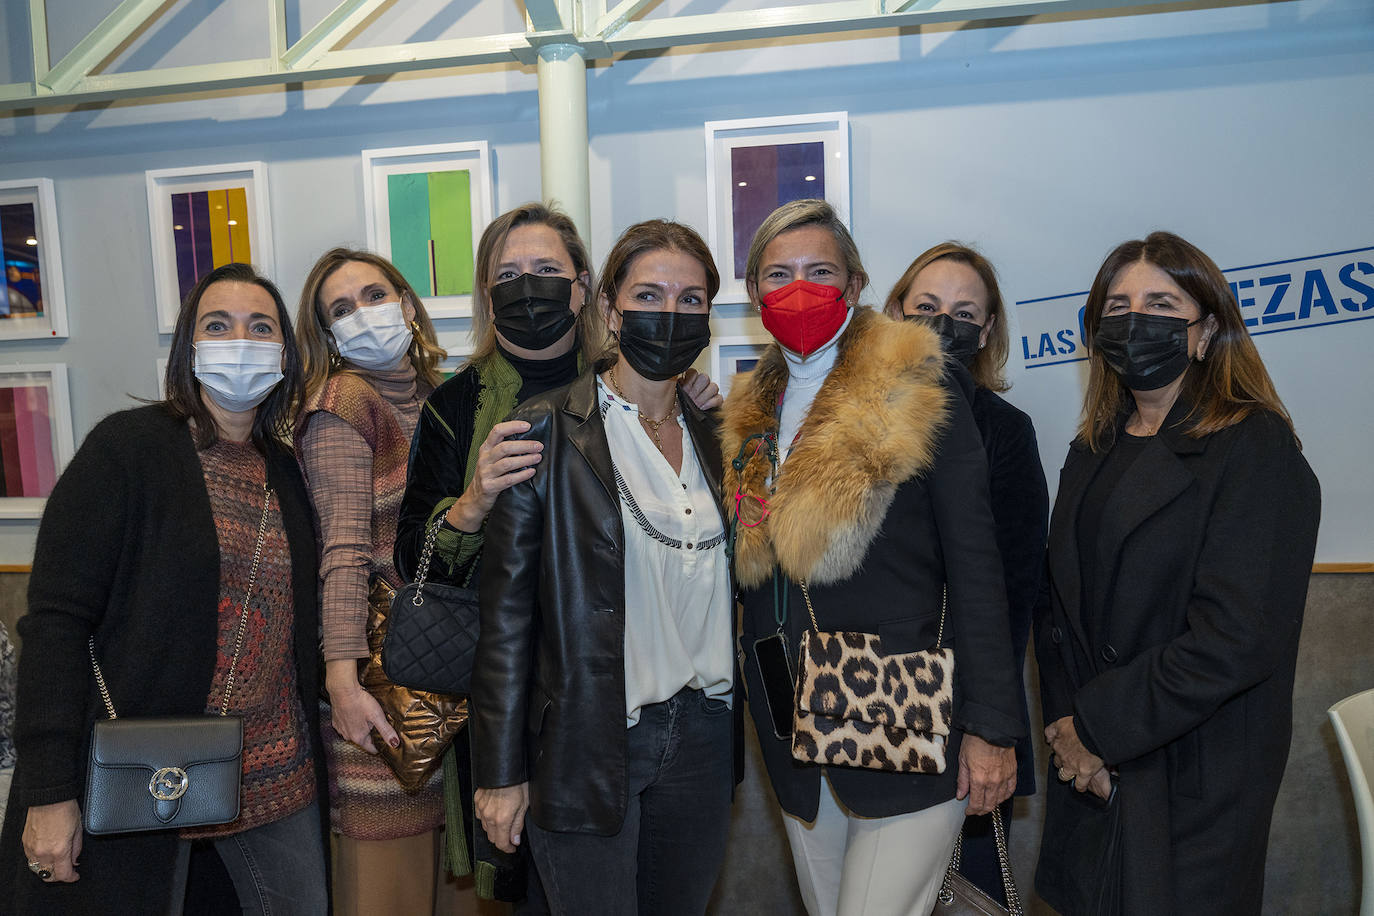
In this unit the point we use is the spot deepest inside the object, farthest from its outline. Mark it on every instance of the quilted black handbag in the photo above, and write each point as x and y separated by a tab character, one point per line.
431	635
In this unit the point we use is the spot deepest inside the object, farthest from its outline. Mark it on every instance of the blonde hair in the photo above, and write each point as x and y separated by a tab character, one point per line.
1229	386
317	353
795	215
989	362
591	328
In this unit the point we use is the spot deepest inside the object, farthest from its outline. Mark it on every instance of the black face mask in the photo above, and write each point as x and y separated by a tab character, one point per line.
661	345
960	339
1147	351
533	312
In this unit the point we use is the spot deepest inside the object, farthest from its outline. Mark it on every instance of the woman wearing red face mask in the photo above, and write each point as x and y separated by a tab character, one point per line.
863	498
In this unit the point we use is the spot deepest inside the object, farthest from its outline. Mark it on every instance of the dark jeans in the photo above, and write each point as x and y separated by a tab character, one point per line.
277	869
665	859
979	863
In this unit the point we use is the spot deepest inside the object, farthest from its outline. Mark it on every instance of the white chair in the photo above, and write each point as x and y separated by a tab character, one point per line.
1353	719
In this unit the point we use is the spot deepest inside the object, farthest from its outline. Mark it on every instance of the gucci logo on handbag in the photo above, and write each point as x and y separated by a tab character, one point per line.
169	784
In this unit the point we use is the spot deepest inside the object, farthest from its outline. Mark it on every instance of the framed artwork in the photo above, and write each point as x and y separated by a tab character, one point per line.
458	354
35	436
426	207
755	165
32	301
203	217
730	355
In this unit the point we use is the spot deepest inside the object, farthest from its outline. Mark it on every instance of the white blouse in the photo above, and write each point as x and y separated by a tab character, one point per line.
678	608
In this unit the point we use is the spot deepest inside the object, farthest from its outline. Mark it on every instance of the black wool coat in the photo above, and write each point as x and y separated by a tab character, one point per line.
548	683
1204	555
127	551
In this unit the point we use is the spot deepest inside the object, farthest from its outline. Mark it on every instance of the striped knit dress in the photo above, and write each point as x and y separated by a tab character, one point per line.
354	440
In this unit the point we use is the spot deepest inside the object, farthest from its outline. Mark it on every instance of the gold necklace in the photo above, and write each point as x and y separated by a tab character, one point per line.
646	420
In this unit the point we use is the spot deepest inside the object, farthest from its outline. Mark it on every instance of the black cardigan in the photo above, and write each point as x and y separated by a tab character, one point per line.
127	551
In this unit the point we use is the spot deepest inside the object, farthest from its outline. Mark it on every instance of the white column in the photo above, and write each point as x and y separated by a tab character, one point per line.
563	132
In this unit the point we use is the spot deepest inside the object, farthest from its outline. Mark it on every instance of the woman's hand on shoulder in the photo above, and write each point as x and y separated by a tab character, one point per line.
52	838
701	390
353	711
502	813
502	462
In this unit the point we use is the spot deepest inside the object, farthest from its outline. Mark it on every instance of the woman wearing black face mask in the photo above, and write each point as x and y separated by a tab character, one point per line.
1180	550
954	288
603	736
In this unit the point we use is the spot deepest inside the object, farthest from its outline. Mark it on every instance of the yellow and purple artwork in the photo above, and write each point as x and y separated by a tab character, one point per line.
210	229
28	460
763	178
430	219
22	289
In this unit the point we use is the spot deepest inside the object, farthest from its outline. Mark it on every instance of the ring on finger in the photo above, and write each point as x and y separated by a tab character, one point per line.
1065	775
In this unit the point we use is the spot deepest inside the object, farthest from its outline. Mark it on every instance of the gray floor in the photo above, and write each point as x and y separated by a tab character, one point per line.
1314	844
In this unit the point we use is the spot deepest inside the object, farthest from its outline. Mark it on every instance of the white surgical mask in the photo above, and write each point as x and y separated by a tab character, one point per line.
238	374
373	337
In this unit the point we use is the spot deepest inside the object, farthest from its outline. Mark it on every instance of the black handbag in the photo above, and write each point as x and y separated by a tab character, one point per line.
168	772
431	634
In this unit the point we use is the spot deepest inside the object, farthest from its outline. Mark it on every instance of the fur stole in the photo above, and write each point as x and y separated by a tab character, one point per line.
875	423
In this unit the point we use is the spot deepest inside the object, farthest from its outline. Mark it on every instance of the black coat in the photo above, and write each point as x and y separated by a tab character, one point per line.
920	525
127	550
1020	508
548	684
1204	556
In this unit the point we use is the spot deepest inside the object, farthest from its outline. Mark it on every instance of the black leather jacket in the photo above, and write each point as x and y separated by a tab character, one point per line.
548	686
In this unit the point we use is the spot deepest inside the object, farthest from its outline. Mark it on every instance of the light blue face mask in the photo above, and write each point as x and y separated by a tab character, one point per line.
237	374
373	336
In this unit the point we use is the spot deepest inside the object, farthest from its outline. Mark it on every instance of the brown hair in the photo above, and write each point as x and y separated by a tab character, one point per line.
642	238
1226	388
990	360
795	215
276	412
591	330
320	358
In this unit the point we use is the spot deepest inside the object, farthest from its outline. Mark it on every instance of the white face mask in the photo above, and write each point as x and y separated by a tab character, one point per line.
373	337
237	374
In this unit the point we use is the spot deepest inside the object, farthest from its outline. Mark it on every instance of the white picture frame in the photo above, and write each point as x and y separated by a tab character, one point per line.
379	165
735	353
726	201
34	200
39	433
173	273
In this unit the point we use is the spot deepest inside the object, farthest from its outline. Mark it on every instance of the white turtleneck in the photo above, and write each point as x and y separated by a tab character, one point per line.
805	375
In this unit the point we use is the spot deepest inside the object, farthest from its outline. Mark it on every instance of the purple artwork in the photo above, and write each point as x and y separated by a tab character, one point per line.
763	178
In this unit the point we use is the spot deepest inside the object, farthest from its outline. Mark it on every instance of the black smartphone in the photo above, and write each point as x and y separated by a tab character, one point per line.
779	687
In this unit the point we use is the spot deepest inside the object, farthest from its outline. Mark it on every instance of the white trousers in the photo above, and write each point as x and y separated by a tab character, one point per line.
884	866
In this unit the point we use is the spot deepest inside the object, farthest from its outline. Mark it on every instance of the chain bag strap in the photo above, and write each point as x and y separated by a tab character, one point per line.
169	772
854	700
959	895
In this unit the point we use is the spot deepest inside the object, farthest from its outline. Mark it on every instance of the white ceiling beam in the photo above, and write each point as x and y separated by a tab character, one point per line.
840	16
38	38
328	32
545	16
615	19
276	31
99	43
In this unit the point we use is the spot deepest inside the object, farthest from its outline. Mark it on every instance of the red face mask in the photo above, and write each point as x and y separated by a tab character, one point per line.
804	316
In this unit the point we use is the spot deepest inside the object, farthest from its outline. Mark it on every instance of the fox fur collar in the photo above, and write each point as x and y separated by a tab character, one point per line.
875	423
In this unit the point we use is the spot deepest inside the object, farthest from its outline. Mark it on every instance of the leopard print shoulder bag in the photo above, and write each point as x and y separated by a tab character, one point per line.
857	706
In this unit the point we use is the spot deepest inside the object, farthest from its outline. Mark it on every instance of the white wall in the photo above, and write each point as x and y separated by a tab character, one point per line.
1244	127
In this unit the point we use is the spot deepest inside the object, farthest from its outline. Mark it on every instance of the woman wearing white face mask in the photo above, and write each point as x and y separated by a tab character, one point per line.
370	360
147	548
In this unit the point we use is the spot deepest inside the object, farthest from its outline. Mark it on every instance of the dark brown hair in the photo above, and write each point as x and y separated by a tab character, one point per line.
642	238
992	359
320	359
1227	387
272	424
591	330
